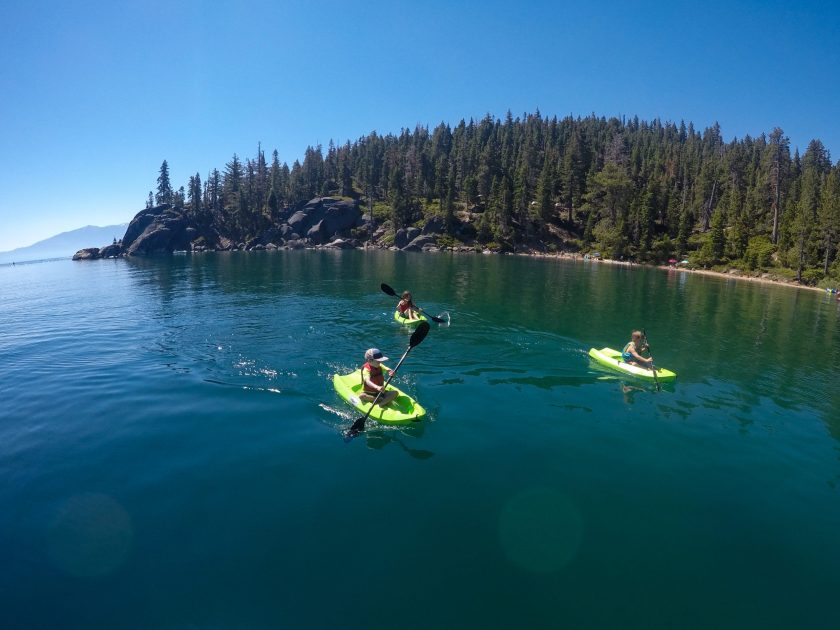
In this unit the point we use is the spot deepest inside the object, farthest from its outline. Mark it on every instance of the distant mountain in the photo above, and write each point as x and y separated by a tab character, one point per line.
66	244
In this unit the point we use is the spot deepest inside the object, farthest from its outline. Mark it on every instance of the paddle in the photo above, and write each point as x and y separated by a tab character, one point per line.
652	366
416	337
391	292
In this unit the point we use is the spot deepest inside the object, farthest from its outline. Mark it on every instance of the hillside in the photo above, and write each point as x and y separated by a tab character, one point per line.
66	244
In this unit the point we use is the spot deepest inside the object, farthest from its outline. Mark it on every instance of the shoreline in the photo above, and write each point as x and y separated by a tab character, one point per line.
733	275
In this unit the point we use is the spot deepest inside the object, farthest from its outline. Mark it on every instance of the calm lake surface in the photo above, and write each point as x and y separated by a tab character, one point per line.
171	447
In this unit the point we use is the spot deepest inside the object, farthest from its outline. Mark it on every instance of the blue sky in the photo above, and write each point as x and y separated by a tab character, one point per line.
95	95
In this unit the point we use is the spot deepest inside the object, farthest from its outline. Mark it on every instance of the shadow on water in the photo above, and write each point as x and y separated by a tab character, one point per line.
380	437
376	436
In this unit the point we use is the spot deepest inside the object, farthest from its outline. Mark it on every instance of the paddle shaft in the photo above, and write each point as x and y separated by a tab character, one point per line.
652	366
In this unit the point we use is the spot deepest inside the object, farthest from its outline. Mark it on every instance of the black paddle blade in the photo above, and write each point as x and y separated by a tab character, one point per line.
386	289
357	427
419	334
437	320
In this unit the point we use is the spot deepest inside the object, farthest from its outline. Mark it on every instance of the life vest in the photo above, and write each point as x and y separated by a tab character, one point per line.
402	307
376	376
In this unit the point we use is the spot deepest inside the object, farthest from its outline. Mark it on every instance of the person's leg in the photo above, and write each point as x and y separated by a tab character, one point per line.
384	400
387	398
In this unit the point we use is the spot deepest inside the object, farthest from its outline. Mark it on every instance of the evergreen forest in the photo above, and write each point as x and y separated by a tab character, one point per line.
629	189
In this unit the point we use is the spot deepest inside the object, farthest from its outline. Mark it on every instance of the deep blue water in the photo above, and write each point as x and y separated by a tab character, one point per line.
172	456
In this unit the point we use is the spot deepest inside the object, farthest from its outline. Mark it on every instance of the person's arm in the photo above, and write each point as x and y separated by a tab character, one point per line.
638	356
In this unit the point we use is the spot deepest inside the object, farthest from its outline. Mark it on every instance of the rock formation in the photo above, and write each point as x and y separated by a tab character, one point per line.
164	229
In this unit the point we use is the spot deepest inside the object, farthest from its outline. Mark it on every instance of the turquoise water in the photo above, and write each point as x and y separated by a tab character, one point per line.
171	447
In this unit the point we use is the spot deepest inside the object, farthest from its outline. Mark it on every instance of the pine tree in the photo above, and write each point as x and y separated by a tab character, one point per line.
273	204
778	156
400	208
195	195
717	236
164	188
178	199
806	214
215	190
520	199
829	216
573	175
740	233
232	184
449	201
545	186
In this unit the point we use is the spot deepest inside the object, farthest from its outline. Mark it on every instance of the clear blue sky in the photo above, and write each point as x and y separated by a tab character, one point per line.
95	95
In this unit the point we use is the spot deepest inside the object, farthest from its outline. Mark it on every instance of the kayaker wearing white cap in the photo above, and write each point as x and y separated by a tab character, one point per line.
373	378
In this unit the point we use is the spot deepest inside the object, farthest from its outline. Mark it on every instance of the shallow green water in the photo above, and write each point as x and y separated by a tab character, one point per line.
172	452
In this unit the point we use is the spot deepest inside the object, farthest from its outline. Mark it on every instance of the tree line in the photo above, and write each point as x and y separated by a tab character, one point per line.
644	191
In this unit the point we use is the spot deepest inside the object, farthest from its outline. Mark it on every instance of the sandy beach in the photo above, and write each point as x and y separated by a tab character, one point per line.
734	274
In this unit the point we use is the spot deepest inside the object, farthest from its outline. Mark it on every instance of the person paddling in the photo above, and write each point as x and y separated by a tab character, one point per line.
406	307
632	352
373	379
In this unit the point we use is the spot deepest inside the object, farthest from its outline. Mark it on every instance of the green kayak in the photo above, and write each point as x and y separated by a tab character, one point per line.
408	322
403	410
612	359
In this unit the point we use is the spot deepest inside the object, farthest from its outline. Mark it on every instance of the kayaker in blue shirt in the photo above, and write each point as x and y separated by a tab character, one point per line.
632	352
373	379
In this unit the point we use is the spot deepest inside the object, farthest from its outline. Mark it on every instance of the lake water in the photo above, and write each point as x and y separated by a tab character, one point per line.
171	447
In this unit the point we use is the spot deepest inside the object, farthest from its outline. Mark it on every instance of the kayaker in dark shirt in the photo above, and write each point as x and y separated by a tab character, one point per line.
406	307
373	379
632	352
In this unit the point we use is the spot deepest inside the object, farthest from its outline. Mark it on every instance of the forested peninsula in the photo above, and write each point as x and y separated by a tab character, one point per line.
632	190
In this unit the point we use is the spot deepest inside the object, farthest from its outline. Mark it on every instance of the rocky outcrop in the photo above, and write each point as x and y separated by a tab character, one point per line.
94	253
404	236
435	225
111	251
164	229
324	217
141	221
89	253
341	243
322	222
420	243
158	230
